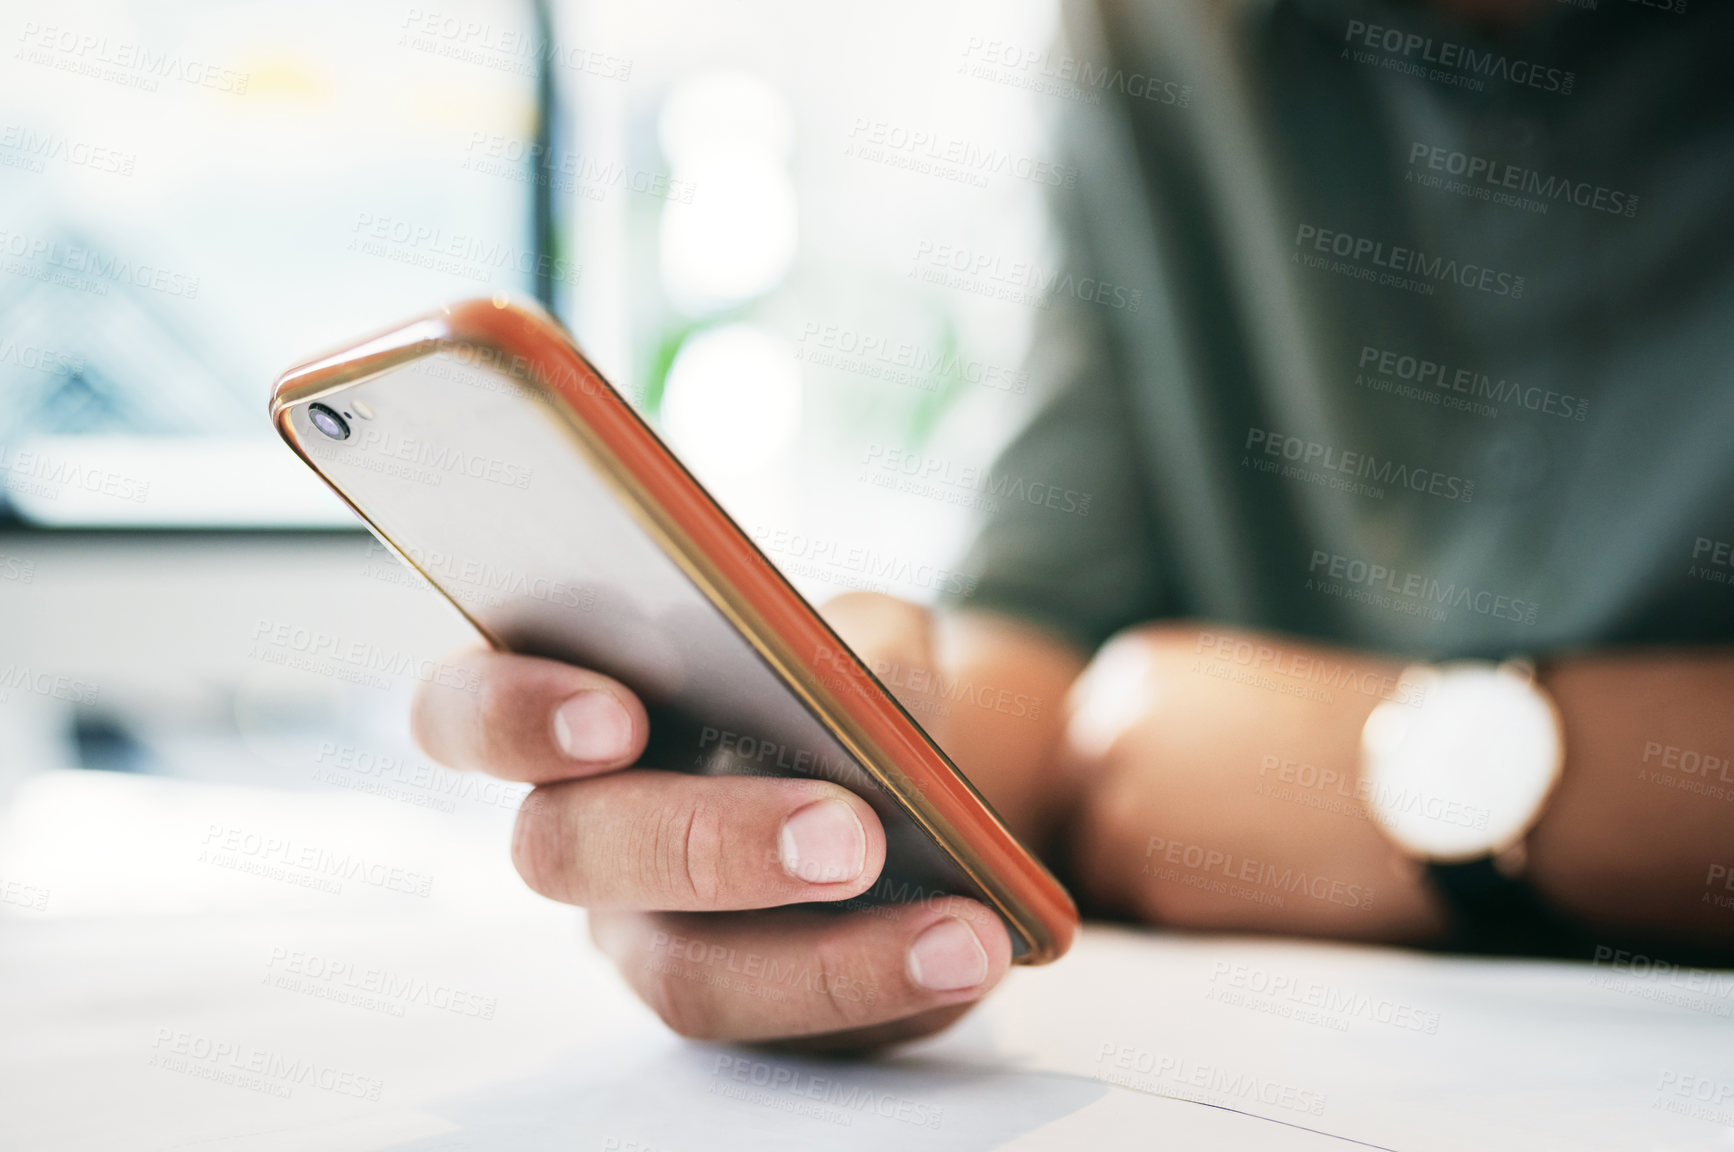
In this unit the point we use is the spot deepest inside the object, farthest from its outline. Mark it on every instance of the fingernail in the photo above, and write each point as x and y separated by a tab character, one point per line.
592	726
947	956
823	843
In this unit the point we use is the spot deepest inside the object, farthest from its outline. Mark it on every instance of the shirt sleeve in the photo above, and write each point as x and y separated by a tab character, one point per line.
1065	539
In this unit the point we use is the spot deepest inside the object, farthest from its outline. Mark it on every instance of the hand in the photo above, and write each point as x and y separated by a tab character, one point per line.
685	876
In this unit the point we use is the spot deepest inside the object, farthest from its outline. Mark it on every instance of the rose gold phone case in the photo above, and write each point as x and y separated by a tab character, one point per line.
498	464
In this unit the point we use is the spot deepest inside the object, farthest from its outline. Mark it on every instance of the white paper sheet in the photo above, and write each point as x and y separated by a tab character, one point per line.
157	997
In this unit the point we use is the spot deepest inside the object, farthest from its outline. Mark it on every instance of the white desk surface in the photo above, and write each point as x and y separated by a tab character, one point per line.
496	1026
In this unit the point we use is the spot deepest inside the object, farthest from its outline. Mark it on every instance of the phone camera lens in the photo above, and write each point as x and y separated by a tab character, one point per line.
328	421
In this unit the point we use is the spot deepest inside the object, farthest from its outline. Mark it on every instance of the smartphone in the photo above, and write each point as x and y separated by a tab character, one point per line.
482	448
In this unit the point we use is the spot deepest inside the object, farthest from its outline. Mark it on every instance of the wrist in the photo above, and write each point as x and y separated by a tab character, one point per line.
1235	754
1456	778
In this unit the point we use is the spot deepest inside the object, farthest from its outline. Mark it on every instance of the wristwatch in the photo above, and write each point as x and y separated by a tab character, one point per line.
1456	768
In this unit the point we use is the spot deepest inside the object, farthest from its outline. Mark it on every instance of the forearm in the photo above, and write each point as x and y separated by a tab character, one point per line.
1639	834
1247	758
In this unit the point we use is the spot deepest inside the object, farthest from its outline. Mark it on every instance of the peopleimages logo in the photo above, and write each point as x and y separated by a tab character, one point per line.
1397	266
935	153
30	149
442	459
1415	586
928	472
1063	75
881	357
330	978
1470	390
316	650
1017	281
504	48
258	1069
1185	1078
38	359
1487	179
1305	455
471	580
574	173
21	677
1335	1004
90	270
837	560
39	473
1311	786
1712	561
781	1086
307	865
1198	859
472	257
770	756
122	62
1635	974
1446	61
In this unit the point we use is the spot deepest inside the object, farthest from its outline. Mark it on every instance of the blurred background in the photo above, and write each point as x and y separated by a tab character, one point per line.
724	199
746	211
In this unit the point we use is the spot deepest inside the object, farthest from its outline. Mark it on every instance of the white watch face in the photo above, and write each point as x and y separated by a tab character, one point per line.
1464	771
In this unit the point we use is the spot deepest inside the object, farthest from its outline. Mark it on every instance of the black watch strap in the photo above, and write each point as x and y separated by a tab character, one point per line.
1495	913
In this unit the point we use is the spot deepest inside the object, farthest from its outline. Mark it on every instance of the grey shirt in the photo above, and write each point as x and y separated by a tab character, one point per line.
1382	331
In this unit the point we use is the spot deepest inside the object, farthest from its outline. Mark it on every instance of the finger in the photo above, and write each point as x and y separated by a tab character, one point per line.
655	839
890	636
880	627
797	972
524	718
